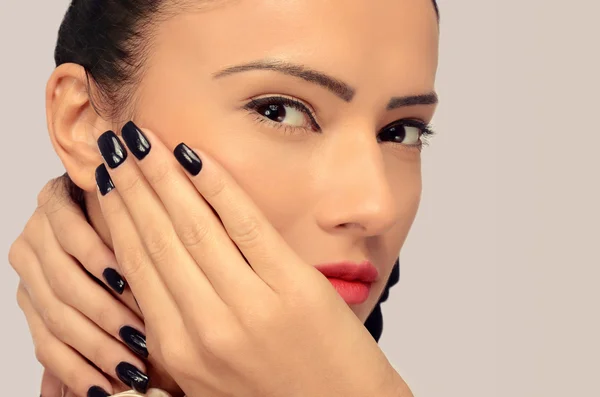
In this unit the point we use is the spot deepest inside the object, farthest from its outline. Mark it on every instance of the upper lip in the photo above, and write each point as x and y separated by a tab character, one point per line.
350	271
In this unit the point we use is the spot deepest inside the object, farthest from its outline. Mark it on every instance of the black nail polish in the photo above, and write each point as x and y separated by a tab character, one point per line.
114	280
132	377
112	149
135	140
103	180
97	391
188	159
135	340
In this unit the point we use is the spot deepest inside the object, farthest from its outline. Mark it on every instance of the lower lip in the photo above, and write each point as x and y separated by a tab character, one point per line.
353	292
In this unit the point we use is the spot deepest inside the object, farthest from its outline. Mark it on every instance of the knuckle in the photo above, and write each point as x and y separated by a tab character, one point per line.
15	257
133	262
160	172
21	296
54	319
61	284
158	243
215	188
221	342
247	232
194	232
129	185
259	318
41	352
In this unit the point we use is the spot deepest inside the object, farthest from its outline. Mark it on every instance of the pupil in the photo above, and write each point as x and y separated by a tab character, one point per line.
274	112
397	133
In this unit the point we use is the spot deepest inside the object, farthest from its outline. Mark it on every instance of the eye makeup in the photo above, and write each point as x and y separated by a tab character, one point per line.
264	108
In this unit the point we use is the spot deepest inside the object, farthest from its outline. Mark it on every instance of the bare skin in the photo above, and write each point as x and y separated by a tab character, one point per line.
332	191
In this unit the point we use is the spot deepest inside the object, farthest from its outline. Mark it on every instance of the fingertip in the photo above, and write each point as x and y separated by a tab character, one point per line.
97	391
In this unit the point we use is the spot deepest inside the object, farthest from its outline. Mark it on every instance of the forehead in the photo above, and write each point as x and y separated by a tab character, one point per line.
352	39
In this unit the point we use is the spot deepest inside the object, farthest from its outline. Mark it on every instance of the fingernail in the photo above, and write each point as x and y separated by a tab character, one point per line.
132	377
114	280
97	391
103	180
188	159
111	149
135	140
135	340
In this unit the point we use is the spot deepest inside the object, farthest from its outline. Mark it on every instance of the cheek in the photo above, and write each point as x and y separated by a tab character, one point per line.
406	186
269	167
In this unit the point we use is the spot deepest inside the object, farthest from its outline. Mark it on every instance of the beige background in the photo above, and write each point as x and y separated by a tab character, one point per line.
499	284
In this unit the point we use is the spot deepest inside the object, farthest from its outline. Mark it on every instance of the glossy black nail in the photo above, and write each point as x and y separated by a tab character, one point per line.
114	280
103	180
188	159
133	377
135	340
135	140
112	149
97	391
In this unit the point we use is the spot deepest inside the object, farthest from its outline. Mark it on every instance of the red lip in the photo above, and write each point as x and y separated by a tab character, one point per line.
352	281
364	272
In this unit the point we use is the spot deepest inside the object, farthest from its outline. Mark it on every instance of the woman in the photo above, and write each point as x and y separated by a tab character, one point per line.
302	124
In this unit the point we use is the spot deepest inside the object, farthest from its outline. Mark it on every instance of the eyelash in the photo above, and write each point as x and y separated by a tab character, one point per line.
255	104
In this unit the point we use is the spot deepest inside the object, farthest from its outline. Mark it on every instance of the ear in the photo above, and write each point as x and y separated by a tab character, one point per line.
73	123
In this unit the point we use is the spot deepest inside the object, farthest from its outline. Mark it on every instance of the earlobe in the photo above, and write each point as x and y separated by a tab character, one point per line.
73	123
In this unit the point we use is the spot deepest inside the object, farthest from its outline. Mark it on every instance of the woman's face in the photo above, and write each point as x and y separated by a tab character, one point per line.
328	170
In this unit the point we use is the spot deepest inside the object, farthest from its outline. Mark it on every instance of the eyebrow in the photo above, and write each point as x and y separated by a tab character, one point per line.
336	86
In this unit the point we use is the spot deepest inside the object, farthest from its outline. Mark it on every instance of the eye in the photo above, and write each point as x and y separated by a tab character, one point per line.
405	132
284	111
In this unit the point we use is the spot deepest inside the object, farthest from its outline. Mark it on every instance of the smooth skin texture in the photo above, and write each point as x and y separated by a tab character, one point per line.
208	314
333	192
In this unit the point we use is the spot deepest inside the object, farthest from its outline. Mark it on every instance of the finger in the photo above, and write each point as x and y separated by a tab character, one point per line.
74	288
119	387
156	231
60	359
78	238
154	300
51	385
263	247
74	329
196	225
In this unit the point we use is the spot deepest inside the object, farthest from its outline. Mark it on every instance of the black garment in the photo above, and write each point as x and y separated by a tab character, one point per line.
374	322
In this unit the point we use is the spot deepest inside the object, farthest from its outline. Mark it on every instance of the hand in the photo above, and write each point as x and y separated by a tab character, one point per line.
72	317
230	309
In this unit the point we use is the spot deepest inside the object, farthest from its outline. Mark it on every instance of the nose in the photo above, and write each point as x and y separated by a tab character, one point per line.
356	195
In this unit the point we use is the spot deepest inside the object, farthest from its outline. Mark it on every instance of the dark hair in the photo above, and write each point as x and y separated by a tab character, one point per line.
111	39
